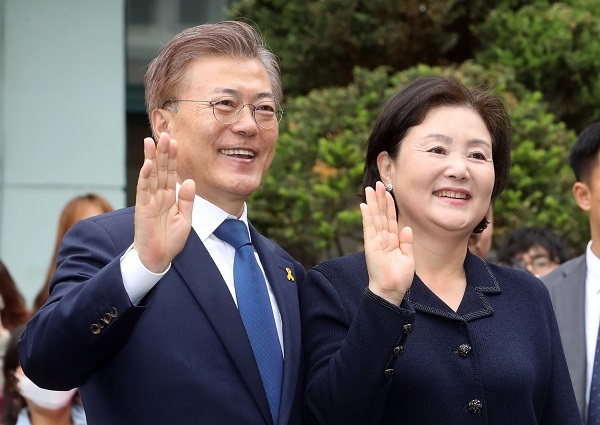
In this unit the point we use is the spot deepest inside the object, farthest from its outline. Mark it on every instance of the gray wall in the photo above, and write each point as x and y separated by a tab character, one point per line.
62	121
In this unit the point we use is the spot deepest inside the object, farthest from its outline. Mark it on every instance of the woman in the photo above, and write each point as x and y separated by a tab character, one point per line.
27	404
76	209
418	330
12	312
12	304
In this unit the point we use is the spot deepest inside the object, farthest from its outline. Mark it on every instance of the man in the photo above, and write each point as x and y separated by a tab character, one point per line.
575	285
143	315
537	250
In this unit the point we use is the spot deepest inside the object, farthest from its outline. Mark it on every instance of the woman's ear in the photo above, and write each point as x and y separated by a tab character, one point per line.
581	192
385	166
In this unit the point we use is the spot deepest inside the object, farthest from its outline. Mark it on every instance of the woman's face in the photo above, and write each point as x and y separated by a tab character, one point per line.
89	210
40	399
443	175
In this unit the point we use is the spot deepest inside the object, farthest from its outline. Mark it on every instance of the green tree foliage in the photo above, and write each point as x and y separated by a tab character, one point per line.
320	41
539	190
309	199
554	49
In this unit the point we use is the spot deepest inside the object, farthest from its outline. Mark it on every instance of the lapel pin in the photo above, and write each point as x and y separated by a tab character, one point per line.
290	276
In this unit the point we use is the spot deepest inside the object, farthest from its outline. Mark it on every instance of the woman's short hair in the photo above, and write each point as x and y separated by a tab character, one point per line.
410	106
167	73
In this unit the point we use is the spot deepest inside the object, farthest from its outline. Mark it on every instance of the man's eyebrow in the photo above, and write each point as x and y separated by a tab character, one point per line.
237	93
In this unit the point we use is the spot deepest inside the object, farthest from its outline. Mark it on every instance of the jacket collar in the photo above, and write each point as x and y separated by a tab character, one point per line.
480	282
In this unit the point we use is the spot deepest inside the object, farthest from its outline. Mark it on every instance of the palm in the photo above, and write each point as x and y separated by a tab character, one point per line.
162	225
389	253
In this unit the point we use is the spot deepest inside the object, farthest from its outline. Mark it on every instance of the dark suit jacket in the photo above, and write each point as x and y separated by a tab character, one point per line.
497	360
566	284
181	356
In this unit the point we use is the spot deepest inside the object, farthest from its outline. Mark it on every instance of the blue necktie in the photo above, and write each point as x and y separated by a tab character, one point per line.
255	308
593	417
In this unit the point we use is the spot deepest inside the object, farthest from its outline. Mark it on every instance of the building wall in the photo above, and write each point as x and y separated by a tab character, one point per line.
62	121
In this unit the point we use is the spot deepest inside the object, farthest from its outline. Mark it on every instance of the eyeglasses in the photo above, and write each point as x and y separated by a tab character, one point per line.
537	265
228	110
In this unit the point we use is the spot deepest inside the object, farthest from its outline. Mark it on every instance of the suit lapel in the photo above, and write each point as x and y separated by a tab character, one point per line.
281	276
201	275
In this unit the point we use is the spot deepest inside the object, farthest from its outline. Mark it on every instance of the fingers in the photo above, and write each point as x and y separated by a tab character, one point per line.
381	209
172	165
369	227
381	205
376	202
164	160
367	219
144	186
390	213
159	171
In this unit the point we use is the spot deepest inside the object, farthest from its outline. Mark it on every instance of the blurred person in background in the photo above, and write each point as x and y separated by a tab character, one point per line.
480	243
76	209
537	250
12	304
27	404
13	312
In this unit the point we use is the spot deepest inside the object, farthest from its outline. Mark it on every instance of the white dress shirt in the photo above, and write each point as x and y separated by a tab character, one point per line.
206	217
592	311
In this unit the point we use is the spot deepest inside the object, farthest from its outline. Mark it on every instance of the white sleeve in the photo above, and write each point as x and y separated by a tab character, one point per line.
137	279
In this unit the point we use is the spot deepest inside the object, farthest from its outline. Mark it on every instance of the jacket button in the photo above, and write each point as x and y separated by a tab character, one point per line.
407	328
475	406
101	324
107	318
464	350
95	329
388	373
398	350
113	312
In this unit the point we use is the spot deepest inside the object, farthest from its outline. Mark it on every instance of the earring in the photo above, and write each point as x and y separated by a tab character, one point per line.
389	187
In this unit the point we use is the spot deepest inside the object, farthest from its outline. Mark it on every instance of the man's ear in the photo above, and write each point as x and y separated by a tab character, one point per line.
161	119
385	165
581	192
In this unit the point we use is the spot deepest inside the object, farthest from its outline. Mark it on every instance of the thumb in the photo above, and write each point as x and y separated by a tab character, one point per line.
186	198
405	239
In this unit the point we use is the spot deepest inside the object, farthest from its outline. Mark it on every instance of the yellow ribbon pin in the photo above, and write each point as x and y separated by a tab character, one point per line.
289	272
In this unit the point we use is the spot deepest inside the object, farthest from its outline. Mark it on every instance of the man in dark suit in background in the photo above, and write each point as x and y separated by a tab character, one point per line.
145	315
575	285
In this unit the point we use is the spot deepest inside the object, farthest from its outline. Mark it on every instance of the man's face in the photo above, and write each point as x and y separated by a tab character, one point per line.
587	195
227	162
537	260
